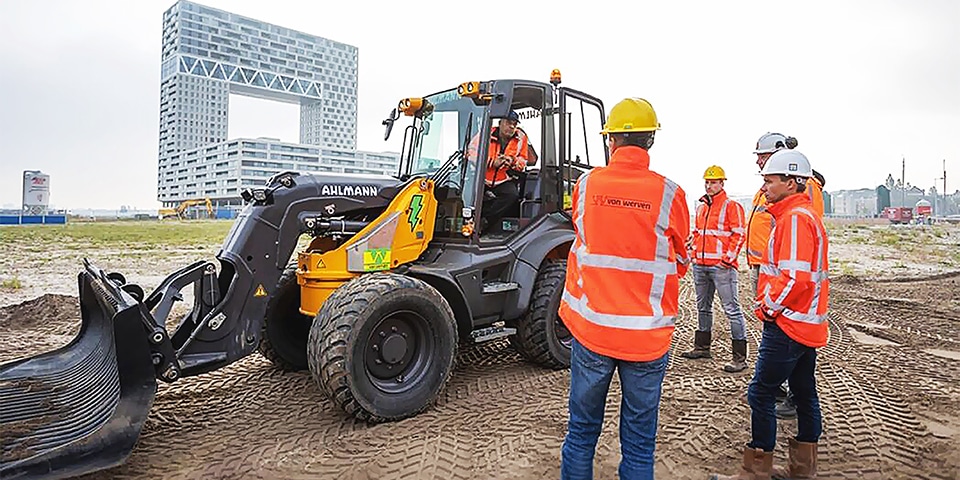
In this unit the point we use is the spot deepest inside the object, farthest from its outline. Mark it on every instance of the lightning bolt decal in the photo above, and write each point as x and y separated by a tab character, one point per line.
416	206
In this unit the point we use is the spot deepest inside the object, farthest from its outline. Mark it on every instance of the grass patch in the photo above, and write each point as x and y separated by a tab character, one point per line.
11	283
135	234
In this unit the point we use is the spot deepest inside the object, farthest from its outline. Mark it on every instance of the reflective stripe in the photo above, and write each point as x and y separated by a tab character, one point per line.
628	322
796	265
811	318
623	263
663	246
719	233
769	301
723	215
739	230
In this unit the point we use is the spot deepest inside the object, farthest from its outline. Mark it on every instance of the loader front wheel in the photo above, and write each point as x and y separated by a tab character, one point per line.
541	336
382	347
283	339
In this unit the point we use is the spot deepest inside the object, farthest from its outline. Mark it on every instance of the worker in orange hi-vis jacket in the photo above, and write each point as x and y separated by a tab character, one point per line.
715	244
792	298
760	224
621	296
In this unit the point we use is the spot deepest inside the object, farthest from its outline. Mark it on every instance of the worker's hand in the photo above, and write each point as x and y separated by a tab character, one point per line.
764	314
690	242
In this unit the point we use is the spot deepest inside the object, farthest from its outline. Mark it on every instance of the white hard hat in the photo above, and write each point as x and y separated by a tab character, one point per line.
788	162
771	142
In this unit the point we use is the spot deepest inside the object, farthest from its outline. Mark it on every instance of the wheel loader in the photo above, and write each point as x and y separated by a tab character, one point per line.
371	283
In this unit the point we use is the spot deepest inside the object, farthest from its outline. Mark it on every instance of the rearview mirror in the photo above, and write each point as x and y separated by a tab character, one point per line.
391	117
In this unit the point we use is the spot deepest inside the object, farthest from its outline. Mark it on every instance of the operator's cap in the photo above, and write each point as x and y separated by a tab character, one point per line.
513	116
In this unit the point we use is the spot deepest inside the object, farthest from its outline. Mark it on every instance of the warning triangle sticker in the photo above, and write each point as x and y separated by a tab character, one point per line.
320	264
261	292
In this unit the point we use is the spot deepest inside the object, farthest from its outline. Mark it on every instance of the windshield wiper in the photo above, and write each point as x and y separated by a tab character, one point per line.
443	173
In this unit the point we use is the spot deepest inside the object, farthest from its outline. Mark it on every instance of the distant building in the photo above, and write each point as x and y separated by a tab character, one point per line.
866	202
221	170
206	55
862	202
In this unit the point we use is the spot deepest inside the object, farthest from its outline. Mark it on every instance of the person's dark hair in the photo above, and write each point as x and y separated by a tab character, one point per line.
801	182
643	140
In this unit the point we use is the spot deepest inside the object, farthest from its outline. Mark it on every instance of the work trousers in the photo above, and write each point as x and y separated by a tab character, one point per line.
708	280
640	384
780	358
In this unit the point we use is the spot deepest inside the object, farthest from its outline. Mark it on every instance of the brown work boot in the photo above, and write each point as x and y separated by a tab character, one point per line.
701	346
801	463
739	362
757	465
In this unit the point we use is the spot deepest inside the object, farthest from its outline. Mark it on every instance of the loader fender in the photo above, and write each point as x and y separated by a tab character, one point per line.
455	297
551	243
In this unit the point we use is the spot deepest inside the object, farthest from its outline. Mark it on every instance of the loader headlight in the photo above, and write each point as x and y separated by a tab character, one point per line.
260	195
410	106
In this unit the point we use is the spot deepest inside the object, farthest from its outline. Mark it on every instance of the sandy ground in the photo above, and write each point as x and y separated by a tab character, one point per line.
889	383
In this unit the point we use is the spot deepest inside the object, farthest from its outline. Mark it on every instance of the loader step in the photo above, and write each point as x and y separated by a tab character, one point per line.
490	333
499	287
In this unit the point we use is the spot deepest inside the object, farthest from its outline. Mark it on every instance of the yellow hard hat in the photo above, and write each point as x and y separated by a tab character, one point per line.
631	115
714	172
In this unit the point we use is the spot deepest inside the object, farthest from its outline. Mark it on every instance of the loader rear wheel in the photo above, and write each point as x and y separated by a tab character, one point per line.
283	337
382	347
541	336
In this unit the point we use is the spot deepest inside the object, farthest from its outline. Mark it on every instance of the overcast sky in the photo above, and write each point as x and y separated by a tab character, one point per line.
859	83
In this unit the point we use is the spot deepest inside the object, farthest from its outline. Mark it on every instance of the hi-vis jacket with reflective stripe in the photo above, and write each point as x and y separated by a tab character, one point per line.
794	287
718	233
625	264
761	223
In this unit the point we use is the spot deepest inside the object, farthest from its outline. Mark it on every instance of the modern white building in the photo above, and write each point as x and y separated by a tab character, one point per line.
208	54
219	171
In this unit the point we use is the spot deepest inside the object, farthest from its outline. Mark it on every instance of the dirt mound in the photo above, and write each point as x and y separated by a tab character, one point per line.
41	324
48	309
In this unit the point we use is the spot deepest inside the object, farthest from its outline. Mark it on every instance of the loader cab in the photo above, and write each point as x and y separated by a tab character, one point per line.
449	140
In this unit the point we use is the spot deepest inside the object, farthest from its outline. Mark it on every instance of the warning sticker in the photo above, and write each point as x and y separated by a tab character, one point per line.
375	259
320	264
261	292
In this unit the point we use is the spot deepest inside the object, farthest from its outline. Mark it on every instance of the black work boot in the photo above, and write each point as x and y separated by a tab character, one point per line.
786	410
739	362
701	346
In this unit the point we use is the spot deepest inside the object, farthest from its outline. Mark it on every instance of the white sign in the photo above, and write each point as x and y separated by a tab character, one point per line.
36	191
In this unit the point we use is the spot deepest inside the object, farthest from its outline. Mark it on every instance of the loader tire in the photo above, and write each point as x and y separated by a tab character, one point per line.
283	337
382	347
541	336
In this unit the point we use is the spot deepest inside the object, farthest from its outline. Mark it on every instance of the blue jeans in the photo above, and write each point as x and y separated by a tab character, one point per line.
640	383
780	358
723	281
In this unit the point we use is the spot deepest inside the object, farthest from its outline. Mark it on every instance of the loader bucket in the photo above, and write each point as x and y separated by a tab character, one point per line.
79	408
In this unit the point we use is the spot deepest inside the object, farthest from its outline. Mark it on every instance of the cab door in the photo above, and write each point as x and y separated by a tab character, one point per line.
582	147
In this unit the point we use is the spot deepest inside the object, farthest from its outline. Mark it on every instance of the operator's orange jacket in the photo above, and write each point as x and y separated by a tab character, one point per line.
794	287
761	223
624	267
718	232
515	149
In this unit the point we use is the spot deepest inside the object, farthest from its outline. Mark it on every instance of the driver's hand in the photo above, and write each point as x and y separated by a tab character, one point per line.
503	160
